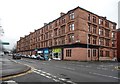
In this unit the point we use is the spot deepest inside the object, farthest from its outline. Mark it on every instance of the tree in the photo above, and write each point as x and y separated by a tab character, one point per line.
14	49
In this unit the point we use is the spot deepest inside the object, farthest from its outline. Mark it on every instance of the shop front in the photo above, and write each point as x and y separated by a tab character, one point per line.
57	53
46	54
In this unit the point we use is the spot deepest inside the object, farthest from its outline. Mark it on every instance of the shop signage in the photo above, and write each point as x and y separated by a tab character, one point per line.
56	50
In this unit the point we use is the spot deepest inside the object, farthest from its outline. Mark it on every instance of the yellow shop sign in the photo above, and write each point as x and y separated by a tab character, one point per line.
56	50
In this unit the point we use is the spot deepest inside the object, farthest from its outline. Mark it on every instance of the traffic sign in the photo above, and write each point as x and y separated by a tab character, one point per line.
5	43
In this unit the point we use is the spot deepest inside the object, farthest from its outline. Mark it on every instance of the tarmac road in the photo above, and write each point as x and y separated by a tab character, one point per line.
71	72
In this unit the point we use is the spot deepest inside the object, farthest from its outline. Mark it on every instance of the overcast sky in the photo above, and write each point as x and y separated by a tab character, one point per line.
19	17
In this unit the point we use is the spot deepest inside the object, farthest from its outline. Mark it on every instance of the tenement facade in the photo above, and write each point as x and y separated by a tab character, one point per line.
118	44
76	35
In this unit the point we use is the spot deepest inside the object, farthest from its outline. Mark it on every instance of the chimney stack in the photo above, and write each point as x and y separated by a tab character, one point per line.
61	14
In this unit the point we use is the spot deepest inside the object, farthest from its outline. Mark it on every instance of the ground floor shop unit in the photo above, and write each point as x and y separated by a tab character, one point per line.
80	52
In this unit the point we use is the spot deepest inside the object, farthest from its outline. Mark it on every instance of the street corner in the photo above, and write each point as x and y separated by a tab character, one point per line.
15	70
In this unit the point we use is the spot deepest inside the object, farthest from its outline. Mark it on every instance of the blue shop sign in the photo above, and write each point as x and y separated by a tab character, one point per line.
46	51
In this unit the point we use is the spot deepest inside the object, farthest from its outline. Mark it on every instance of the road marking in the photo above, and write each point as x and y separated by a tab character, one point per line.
104	75
50	76
9	82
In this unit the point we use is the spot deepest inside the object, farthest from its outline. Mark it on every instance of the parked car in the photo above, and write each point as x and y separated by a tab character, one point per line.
40	57
16	56
1	53
33	57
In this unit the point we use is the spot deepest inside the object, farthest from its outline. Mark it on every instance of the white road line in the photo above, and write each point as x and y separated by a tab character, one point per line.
104	75
50	76
55	80
10	82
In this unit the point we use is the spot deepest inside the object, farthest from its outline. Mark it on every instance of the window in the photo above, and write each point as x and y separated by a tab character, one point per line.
71	38
113	34
107	33
62	29
94	52
114	55
107	42
63	40
101	21
59	41
88	53
113	43
55	32
94	19
106	24
101	53
101	41
89	28
68	53
71	16
55	41
55	23
50	42
59	32
46	35
88	38
71	27
94	29
101	31
63	20
107	54
89	17
94	40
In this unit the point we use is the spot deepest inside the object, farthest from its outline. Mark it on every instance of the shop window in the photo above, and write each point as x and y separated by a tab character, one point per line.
68	53
56	55
94	52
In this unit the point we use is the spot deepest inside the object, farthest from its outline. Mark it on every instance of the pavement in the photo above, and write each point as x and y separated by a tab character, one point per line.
11	67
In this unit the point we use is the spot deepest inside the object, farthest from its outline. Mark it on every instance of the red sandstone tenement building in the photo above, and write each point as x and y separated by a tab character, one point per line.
118	44
77	35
